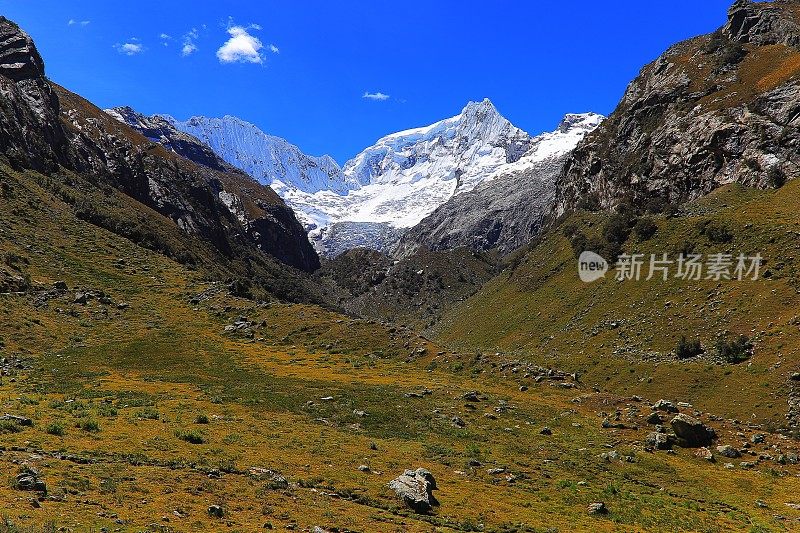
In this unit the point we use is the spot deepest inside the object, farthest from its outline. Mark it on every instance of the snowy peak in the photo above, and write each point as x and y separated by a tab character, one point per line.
580	121
456	152
268	159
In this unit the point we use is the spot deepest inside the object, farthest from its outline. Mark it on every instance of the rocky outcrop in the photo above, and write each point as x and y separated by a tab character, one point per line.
415	488
30	136
46	128
713	110
508	210
691	432
160	130
505	213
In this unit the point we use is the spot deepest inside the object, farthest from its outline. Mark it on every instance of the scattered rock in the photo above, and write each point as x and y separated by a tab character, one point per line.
665	405
690	432
726	450
415	488
215	511
80	298
364	468
758	438
597	508
659	441
458	422
546	431
655	418
704	453
28	479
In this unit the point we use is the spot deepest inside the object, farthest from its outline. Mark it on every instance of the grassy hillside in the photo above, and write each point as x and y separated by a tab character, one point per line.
620	336
162	395
153	394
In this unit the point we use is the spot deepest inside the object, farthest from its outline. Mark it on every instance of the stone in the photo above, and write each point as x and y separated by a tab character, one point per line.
546	431
704	453
758	438
659	441
60	286
364	468
665	405
691	432
80	298
472	396
19	420
726	450
597	508
216	511
655	418
415	488
28	479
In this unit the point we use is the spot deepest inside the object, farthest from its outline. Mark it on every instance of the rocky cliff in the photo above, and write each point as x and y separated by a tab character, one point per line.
48	129
712	110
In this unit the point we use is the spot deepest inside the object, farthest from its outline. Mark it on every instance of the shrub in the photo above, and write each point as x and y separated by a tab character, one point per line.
9	426
55	429
201	419
687	349
776	177
645	228
716	232
192	437
735	351
89	424
616	229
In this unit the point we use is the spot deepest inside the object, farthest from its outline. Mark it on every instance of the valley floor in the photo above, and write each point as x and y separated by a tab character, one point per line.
161	397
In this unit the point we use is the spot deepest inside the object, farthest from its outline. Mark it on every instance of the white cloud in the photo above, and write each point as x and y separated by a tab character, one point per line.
189	46
274	49
73	22
241	47
188	49
131	48
375	96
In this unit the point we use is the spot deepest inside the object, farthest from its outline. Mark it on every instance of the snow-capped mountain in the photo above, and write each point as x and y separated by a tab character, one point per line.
270	160
405	176
390	186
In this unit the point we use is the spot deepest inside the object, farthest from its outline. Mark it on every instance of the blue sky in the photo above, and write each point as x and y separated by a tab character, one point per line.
317	59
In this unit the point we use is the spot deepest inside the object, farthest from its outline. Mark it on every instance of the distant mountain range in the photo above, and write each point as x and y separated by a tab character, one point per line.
390	186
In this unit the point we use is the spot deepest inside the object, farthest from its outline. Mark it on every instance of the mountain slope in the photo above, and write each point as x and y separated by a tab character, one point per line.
509	210
712	110
173	205
268	159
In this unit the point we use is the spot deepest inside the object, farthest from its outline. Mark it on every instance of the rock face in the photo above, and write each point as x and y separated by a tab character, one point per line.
712	110
265	219
30	135
690	432
46	128
160	130
508	210
416	487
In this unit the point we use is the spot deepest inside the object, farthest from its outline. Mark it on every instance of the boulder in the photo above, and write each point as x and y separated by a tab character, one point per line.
690	432
415	488
665	405
28	479
597	508
728	451
659	441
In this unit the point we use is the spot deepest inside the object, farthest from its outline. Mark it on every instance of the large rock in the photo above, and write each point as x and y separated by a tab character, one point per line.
693	120
691	432
416	487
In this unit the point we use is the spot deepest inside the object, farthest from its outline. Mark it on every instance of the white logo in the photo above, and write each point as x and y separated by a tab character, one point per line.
591	267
